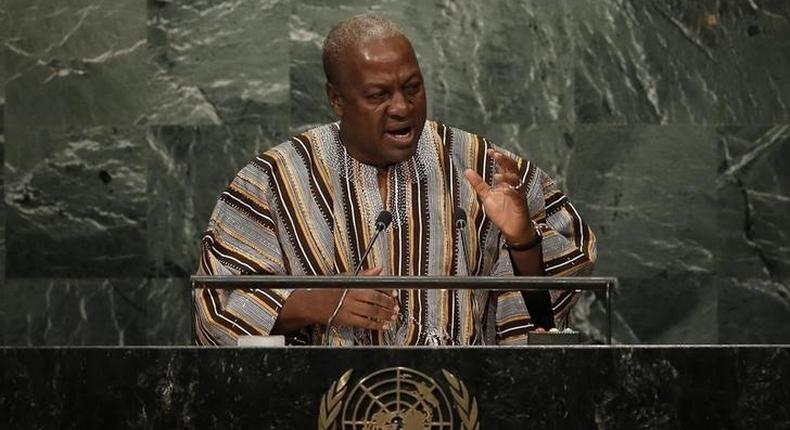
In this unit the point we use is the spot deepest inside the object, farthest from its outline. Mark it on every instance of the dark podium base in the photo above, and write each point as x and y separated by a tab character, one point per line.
515	388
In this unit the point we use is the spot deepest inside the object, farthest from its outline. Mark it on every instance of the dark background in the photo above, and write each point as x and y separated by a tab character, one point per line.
666	121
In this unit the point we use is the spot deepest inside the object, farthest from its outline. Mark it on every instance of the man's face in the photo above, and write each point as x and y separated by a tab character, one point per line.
380	100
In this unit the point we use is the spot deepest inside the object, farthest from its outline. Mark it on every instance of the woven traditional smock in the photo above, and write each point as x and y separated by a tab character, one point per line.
306	207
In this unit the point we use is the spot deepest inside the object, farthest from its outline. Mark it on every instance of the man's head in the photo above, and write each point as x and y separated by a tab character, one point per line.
375	87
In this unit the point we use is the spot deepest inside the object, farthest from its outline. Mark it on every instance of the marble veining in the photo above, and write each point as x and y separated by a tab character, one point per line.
97	312
667	122
75	63
218	62
76	199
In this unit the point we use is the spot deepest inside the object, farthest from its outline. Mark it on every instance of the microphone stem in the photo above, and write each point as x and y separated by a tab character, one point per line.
476	312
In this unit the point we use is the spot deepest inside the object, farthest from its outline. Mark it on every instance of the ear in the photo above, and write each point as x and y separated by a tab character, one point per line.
335	99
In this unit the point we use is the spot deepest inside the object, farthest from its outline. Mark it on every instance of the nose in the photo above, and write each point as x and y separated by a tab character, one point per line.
399	105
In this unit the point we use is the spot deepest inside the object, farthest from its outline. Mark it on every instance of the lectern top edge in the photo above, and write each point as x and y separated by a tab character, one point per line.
406	282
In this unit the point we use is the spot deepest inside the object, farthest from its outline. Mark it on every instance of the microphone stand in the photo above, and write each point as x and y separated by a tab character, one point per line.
383	221
460	225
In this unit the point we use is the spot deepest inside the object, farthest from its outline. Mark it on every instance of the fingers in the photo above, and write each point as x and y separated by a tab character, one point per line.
504	163
507	174
371	309
507	178
368	309
381	298
374	313
507	186
353	320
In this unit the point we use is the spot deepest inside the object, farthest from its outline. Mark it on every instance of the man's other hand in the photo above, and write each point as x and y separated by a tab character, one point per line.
504	202
370	309
364	308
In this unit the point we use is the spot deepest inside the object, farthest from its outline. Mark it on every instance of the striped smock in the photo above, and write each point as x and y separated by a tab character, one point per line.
305	207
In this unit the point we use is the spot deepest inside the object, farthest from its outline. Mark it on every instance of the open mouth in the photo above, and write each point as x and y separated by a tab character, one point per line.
402	134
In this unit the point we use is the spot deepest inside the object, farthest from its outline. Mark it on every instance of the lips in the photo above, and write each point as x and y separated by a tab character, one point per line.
401	134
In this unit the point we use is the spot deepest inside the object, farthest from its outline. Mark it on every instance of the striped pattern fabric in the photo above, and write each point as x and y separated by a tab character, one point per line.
306	207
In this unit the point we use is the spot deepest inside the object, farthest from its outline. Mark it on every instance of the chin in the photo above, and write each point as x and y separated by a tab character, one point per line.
407	152
395	156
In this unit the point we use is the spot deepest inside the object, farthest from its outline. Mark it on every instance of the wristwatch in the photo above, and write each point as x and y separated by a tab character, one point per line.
537	240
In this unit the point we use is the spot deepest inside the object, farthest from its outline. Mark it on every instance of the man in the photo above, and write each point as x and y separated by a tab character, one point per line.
309	205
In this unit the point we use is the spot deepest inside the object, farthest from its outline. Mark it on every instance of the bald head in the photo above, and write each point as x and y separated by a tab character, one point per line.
350	33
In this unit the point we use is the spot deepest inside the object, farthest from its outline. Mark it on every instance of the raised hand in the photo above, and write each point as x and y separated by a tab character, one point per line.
504	203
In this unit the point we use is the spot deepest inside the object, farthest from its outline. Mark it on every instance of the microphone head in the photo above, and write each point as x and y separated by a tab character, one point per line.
383	220
460	218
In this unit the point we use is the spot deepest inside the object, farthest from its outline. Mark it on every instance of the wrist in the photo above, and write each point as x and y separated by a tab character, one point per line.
526	242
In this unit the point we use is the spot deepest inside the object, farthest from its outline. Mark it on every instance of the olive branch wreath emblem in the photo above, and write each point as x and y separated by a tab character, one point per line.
465	404
332	402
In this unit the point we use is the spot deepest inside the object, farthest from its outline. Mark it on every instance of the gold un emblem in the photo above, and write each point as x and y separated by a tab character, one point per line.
397	398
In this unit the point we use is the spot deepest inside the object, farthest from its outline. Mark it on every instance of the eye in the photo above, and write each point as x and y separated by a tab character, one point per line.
412	88
377	96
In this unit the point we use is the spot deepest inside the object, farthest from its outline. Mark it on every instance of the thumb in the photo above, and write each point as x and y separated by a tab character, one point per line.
477	183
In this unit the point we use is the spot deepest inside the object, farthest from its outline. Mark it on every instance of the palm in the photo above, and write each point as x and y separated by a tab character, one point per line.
507	210
504	204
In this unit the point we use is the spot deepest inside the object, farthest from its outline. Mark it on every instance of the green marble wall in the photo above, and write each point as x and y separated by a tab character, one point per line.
667	122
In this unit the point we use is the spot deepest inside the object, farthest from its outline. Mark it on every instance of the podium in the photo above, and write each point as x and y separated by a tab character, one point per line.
603	287
293	388
407	388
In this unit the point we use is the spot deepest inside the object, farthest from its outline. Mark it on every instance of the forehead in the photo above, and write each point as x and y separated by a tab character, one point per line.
381	58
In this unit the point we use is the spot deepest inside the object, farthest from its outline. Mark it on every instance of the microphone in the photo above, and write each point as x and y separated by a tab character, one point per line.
460	218
383	220
459	215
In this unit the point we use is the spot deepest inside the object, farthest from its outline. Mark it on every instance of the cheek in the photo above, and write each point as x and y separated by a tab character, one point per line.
421	101
378	116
